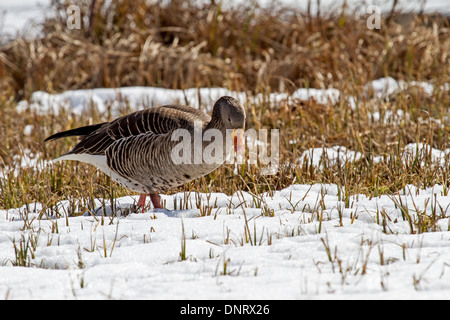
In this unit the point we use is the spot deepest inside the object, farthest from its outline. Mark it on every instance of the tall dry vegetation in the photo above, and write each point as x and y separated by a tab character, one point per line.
182	44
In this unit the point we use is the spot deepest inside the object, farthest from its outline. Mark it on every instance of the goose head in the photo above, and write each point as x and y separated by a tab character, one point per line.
231	115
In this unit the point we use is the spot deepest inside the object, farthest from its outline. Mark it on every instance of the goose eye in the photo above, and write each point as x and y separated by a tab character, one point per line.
229	119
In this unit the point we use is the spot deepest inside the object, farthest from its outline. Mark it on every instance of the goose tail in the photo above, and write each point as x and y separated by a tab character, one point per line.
82	131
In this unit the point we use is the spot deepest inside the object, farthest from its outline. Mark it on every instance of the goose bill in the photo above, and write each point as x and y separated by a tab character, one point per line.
238	140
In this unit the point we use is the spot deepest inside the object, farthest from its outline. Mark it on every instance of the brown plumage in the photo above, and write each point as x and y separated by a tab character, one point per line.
136	150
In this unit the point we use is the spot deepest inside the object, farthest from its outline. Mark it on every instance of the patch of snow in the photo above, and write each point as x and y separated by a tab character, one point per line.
19	16
332	156
28	129
339	155
322	96
26	159
421	150
385	87
356	6
109	99
365	250
79	101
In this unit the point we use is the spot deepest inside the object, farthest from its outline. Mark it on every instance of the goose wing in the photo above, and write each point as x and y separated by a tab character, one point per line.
142	157
96	139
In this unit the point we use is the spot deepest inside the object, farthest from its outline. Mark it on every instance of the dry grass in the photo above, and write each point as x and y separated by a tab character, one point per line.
247	49
182	45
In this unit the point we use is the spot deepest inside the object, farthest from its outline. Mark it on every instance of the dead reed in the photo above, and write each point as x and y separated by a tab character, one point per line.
183	44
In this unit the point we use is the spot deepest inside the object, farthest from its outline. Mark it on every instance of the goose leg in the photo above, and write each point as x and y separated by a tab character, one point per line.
141	201
156	200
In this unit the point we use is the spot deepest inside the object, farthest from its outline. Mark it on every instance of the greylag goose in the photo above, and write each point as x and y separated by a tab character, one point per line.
137	150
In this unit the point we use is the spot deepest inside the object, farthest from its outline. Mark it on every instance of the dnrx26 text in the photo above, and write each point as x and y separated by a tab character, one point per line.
246	309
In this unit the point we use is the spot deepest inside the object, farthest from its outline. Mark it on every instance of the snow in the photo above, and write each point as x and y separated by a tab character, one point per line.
384	87
353	253
110	99
361	6
420	150
332	156
104	99
20	15
340	155
26	159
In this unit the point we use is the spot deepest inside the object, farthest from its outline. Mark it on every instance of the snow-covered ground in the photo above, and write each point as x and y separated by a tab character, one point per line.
301	242
312	247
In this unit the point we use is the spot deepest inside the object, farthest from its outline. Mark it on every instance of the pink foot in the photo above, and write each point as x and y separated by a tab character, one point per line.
141	202
156	200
